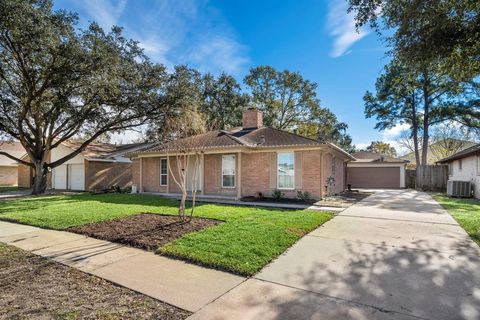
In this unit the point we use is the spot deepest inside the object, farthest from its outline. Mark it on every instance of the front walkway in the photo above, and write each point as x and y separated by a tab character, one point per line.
262	204
395	255
181	284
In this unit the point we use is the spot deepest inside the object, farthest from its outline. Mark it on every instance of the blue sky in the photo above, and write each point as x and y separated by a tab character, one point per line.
316	38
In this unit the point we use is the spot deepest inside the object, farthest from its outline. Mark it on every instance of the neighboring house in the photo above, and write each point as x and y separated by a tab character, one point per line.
439	150
99	166
465	166
246	161
8	167
376	171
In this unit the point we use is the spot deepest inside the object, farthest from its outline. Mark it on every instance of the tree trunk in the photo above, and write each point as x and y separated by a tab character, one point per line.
181	208
426	125
415	130
40	179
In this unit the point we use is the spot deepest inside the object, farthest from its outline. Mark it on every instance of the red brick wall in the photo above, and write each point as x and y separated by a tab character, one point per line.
8	176
151	175
252	119
213	176
102	175
256	173
311	173
259	174
339	173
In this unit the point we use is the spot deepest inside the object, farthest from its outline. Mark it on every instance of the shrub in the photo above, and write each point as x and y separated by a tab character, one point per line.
277	194
304	196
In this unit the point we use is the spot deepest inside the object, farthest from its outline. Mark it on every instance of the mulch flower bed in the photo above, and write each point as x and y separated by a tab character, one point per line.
146	231
33	287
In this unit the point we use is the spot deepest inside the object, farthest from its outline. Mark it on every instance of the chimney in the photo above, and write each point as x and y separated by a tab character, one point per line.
252	118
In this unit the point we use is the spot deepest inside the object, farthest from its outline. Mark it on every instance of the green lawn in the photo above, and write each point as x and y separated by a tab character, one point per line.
248	240
465	211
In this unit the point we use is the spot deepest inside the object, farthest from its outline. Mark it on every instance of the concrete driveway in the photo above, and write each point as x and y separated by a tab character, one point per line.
395	255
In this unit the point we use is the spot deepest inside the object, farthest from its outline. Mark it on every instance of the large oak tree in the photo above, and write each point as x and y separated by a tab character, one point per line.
58	82
443	32
422	98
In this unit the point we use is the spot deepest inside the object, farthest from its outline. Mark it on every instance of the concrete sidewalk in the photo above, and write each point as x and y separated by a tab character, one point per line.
181	284
395	255
14	194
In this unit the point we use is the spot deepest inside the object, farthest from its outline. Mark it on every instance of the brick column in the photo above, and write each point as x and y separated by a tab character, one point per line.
239	176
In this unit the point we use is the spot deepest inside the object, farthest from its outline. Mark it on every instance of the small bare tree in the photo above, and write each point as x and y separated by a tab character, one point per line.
185	153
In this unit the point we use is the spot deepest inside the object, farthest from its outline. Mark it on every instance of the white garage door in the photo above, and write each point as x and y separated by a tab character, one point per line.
69	176
76	177
60	177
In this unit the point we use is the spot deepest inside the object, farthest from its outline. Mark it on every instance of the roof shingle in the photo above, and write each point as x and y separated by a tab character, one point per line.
365	156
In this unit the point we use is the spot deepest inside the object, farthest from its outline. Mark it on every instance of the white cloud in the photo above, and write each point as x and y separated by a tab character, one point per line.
389	136
341	27
175	32
105	12
362	146
395	131
225	52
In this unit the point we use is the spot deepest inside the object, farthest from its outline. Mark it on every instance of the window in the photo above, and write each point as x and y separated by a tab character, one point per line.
228	171
163	171
478	165
286	170
460	164
450	169
333	165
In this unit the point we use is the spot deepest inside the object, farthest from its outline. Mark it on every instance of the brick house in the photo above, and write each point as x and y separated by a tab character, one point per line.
245	162
99	166
8	167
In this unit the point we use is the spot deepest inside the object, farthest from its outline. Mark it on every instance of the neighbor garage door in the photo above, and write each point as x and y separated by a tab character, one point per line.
69	176
375	178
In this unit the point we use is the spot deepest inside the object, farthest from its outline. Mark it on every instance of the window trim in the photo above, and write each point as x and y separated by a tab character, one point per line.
478	165
163	174
234	171
293	175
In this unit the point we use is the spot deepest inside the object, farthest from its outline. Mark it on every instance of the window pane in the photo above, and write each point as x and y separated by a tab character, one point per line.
163	179
163	172
163	166
286	170
229	181
228	170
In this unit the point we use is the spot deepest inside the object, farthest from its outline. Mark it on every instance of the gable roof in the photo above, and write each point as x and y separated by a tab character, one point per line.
462	154
365	156
259	138
105	151
13	148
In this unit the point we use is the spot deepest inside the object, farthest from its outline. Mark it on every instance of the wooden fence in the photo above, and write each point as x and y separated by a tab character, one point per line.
431	178
410	176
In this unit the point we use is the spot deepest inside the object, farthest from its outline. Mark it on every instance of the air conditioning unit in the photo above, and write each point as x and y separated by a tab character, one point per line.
461	189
